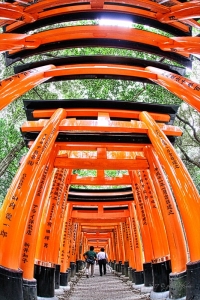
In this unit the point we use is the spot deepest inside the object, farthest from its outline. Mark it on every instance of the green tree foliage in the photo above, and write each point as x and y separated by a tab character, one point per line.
10	137
188	146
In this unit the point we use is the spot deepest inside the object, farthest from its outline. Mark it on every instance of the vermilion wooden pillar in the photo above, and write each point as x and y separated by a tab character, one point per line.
161	264
120	242
125	240
186	195
139	279
44	246
31	232
75	229
47	269
117	250
174	229
19	202
144	229
113	246
129	237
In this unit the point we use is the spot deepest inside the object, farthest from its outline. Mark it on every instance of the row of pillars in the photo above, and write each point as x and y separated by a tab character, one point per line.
37	201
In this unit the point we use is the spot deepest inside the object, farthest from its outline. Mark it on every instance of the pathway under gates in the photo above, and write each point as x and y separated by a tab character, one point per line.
107	287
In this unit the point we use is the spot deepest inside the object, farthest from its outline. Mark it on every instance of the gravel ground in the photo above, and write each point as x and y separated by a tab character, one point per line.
106	287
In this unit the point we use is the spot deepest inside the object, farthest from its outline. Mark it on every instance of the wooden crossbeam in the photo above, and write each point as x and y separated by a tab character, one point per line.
72	112
101	164
105	126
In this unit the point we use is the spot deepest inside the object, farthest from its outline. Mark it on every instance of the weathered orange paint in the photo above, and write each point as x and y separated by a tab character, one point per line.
185	192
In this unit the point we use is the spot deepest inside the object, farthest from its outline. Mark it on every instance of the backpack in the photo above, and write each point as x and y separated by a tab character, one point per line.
90	260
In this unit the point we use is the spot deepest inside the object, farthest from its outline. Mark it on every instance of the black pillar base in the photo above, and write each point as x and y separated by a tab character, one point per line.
161	273
29	289
123	271
117	267
57	277
73	268
114	265
193	282
11	286
69	274
130	274
139	277
79	265
120	266
45	277
64	279
126	265
177	285
133	275
148	276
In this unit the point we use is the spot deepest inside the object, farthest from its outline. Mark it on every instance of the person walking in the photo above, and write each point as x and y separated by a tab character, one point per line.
90	257
102	260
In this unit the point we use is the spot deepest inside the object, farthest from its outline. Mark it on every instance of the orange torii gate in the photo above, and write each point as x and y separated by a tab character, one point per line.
18	84
43	180
103	160
98	163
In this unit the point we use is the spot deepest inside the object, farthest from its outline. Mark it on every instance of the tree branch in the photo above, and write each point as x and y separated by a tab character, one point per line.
193	129
187	158
9	157
140	92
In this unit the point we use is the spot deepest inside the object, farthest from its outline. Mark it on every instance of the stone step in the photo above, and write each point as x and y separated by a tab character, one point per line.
106	287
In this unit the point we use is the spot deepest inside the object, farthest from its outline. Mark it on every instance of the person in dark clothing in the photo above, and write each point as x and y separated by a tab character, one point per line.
102	260
90	257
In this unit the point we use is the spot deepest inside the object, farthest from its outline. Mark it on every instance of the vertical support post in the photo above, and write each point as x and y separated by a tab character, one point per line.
64	246
129	236
31	232
158	235
120	243
73	246
174	229
185	192
19	201
139	279
144	228
49	225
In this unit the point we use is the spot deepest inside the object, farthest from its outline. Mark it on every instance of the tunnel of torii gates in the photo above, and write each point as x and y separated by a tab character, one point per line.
150	228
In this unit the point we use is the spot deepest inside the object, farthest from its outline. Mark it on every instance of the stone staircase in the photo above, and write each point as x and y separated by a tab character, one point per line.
106	287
